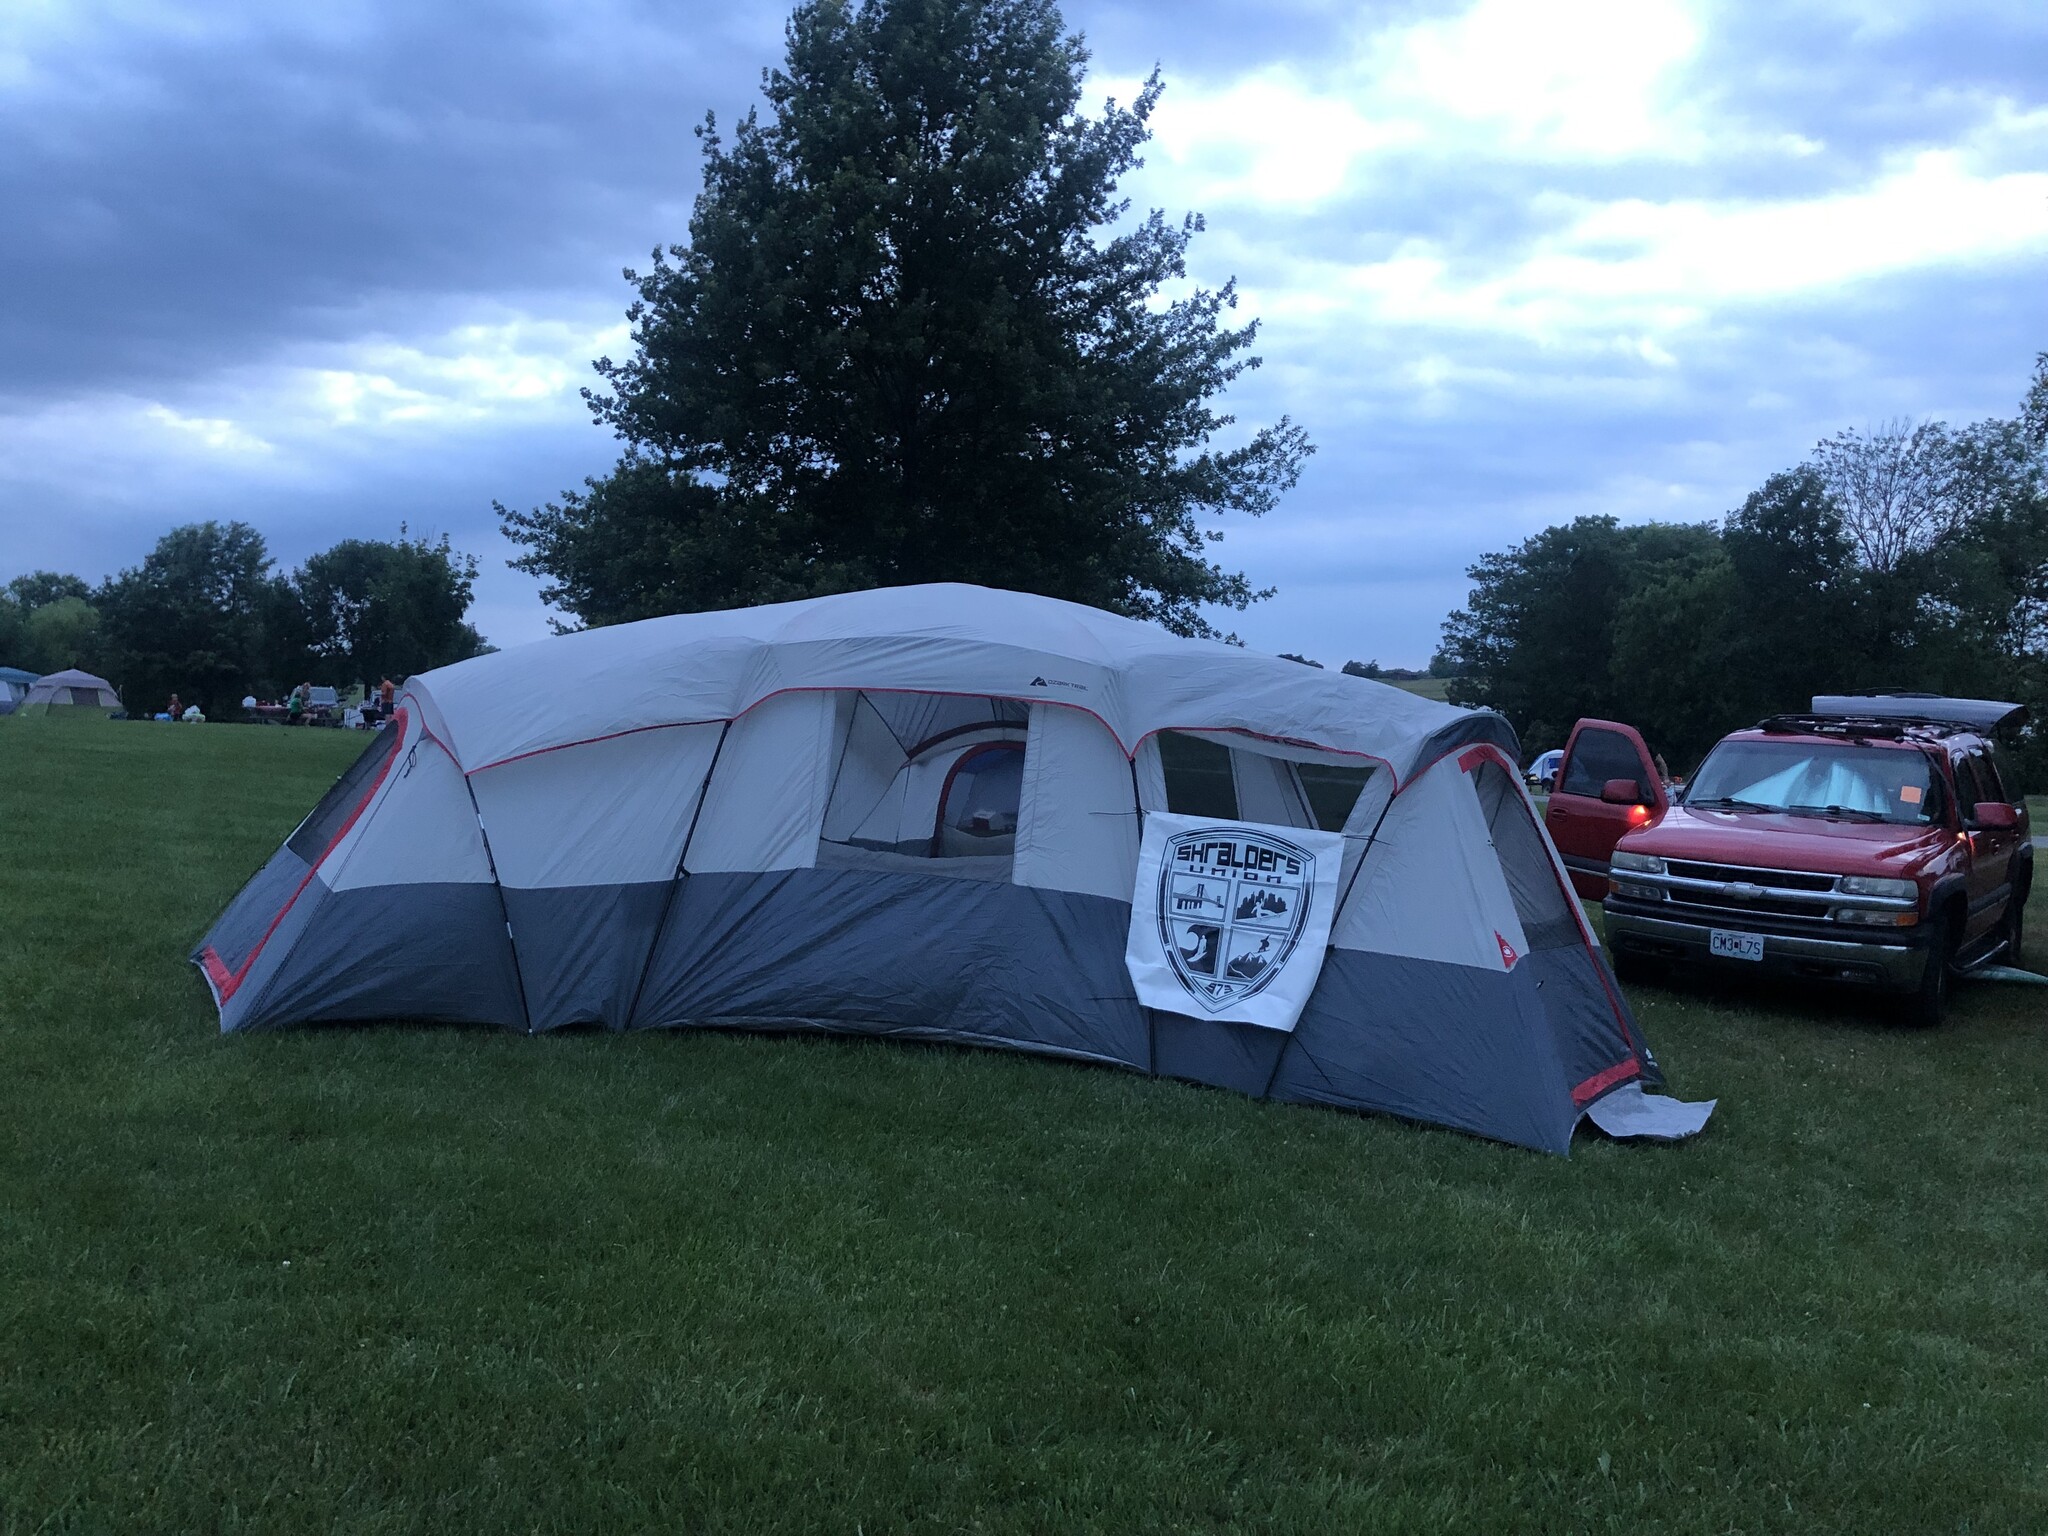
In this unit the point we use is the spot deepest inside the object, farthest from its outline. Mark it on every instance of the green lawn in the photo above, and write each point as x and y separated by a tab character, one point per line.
1428	687
432	1279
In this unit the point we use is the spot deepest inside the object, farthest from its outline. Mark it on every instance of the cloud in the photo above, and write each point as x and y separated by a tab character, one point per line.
332	268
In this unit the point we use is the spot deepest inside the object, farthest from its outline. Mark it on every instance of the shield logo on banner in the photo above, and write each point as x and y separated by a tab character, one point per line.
1232	906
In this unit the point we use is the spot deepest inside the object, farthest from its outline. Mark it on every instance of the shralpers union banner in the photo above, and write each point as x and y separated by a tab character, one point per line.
1230	919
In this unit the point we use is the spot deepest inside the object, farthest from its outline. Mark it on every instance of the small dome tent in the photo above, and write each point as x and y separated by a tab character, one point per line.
69	690
918	812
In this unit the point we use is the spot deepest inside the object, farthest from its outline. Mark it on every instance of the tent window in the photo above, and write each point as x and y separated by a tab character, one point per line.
928	782
1331	790
84	695
1198	777
339	803
978	808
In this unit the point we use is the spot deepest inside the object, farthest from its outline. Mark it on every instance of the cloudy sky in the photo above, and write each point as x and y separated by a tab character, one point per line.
333	268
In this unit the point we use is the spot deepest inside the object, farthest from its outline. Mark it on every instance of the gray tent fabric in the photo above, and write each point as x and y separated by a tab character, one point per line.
67	690
915	814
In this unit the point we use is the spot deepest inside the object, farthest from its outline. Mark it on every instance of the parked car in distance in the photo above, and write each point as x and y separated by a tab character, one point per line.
1542	773
1873	840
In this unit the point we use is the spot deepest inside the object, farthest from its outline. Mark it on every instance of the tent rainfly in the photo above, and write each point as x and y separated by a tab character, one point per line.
14	686
70	689
950	813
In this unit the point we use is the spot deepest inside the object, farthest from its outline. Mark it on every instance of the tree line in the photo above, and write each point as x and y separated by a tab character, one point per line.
1908	557
207	616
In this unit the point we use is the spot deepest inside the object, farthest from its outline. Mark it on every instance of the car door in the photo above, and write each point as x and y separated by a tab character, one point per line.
1586	827
1991	848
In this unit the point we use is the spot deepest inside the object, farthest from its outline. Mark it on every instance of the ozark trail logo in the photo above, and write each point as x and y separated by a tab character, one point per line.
1232	905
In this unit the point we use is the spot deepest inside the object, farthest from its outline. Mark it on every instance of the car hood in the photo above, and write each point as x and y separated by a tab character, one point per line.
1776	841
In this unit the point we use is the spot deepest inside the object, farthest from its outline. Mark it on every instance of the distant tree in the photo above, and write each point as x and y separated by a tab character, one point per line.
37	589
375	608
195	618
1545	636
1362	668
1290	656
912	339
61	633
1895	487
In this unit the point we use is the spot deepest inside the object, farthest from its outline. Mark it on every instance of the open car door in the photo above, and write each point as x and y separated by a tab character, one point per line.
1606	785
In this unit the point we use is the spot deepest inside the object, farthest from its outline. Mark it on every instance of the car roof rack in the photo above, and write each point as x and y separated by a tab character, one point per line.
1850	727
1931	709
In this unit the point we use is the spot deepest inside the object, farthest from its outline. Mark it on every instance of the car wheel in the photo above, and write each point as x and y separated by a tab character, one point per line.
1928	1006
2016	929
1638	970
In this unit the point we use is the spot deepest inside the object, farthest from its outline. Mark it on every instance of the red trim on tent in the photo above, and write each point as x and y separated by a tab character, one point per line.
225	982
1600	1082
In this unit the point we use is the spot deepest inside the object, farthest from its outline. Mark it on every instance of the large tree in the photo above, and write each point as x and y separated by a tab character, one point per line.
376	609
913	338
197	618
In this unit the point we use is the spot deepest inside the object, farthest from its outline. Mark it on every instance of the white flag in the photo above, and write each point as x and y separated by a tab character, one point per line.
1230	919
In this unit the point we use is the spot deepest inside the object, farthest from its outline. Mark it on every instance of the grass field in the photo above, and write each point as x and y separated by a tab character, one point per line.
431	1279
1427	687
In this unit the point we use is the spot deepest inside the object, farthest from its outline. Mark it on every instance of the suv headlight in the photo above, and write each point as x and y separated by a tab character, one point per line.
1637	863
1873	885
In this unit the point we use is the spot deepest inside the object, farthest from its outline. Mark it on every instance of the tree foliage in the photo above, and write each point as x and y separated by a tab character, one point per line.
1910	557
912	338
206	617
375	609
196	618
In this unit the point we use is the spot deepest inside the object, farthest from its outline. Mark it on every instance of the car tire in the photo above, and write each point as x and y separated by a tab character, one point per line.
1638	970
2015	926
1927	1006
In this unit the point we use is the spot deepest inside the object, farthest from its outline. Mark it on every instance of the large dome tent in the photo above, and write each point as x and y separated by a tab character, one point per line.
922	813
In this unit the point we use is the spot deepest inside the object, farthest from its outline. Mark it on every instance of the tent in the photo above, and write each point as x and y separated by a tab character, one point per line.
14	687
70	689
921	813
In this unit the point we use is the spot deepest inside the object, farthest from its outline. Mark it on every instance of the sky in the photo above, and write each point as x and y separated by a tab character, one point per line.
336	269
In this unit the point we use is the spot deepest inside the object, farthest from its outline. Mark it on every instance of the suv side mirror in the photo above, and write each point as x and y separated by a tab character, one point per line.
1993	816
1627	792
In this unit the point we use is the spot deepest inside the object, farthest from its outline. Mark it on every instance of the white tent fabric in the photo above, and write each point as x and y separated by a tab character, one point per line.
951	640
917	812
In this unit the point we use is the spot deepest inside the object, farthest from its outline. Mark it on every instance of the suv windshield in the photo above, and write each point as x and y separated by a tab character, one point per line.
1817	779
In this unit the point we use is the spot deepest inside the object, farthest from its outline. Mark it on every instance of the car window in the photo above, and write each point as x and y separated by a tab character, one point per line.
1988	777
2003	769
1598	756
1818	778
1976	781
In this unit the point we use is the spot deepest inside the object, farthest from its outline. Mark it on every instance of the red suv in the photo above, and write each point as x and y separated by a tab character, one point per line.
1873	840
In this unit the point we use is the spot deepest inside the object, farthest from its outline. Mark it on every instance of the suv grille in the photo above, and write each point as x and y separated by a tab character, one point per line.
1778	879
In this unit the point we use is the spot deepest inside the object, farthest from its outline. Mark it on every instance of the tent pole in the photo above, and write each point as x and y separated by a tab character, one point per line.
675	880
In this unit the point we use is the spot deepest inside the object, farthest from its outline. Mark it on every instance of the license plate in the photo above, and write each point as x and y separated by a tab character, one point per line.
1735	946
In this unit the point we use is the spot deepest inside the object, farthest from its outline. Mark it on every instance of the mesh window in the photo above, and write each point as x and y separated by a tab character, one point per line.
1541	901
1331	791
1597	757
84	695
1198	777
927	777
339	803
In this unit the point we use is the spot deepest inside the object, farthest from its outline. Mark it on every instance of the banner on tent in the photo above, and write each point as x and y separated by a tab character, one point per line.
1230	919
